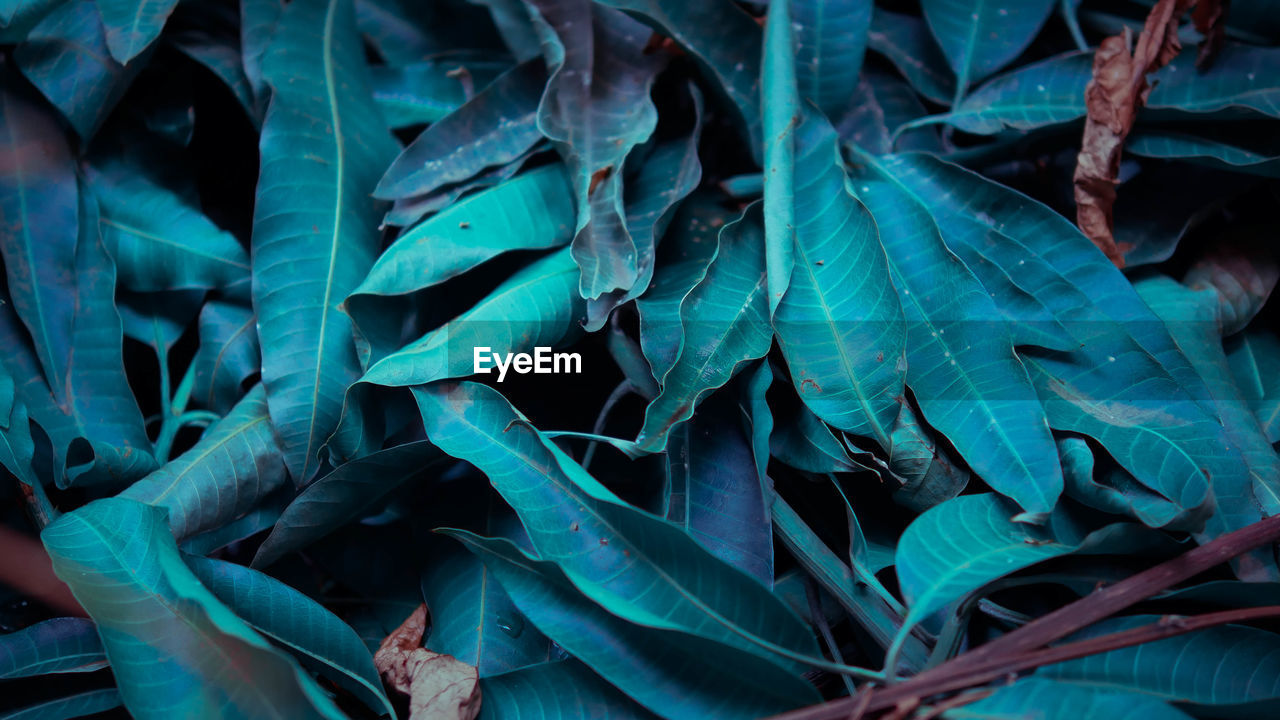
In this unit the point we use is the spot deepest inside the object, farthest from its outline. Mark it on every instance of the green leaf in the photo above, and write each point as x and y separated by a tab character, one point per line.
65	55
174	649
1049	700
596	108
979	37
1254	359
830	37
159	239
843	340
564	690
60	645
654	665
724	324
227	356
904	40
352	490
297	622
495	127
615	548
225	475
71	706
132	25
312	246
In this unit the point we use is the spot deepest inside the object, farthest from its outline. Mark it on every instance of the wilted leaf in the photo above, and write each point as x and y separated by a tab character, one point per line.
439	687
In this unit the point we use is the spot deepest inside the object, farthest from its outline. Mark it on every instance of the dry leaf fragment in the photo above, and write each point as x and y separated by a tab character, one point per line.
1210	17
1118	89
440	687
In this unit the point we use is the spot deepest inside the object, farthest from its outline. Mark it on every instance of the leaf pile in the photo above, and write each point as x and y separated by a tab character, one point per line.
832	401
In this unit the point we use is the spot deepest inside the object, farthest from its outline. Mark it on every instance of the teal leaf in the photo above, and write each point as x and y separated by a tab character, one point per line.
1226	151
345	494
17	17
979	37
782	112
564	690
159	240
1240	273
1254	359
960	365
596	108
881	104
297	622
225	475
313	243
653	665
60	645
258	20
70	706
429	90
66	57
930	473
132	25
615	549
724	325
227	356
174	649
220	54
843	341
831	37
904	41
1049	700
800	439
495	127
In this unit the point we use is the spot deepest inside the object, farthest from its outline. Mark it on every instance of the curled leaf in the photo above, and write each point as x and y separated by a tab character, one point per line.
439	686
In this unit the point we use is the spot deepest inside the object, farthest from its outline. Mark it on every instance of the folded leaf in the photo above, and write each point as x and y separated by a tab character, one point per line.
780	98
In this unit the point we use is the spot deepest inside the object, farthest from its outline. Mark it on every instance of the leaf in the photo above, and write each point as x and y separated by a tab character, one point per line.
1226	152
931	475
174	649
65	56
228	355
60	645
311	249
345	494
724	41
132	25
159	239
1241	274
1253	358
1221	666
427	91
1049	700
804	442
724	324
221	55
595	109
532	211
223	476
258	20
966	30
317	636
71	706
905	42
651	665
564	690
879	105
843	342
830	37
496	126
438	686
780	97
961	366
615	548
716	494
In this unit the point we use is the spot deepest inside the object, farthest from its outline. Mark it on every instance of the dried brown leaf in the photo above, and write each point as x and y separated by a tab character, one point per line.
1210	17
1113	97
440	687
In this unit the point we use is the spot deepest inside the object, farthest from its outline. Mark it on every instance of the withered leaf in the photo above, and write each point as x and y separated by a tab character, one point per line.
440	687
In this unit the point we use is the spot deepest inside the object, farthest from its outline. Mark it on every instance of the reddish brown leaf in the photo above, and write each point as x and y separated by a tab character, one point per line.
440	687
1113	97
1210	17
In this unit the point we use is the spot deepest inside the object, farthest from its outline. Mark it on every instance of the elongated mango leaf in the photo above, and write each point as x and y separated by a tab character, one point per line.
132	25
930	473
843	339
223	476
979	37
831	37
313	244
724	324
296	621
220	54
596	108
71	706
60	645
1241	274
651	665
565	690
159	240
227	356
615	548
905	41
960	365
1253	357
800	439
780	95
173	648
880	104
1223	153
496	126
427	91
258	20
1049	700
17	17
345	494
1218	666
65	55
